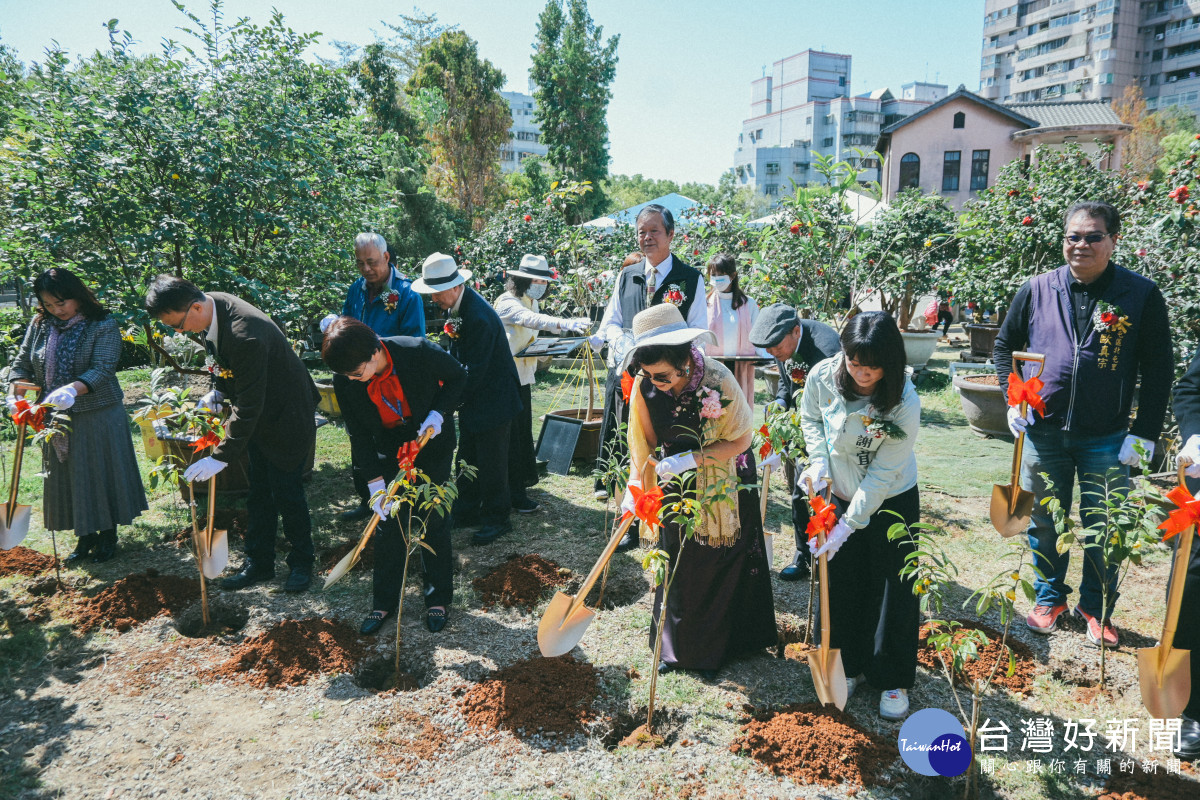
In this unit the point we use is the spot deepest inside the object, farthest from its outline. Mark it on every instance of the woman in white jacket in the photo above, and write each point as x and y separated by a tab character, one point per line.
518	310
860	416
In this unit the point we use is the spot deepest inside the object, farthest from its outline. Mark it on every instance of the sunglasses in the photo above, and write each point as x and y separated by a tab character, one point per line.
1091	238
659	377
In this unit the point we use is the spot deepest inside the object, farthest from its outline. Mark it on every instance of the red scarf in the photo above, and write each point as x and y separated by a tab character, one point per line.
388	396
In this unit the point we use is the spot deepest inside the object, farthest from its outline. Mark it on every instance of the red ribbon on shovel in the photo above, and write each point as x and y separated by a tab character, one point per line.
406	456
823	518
33	416
646	505
1020	391
1184	517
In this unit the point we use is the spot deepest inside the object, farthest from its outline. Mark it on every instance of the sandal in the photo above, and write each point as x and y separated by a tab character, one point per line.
373	622
435	619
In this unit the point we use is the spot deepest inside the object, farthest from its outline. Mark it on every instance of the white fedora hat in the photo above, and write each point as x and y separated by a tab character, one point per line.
439	273
662	324
534	267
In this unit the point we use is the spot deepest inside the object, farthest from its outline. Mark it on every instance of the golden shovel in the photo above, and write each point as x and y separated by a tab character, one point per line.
828	674
768	538
14	517
1164	673
350	559
1012	506
214	545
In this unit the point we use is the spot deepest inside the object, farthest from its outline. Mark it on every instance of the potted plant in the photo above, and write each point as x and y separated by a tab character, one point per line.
983	401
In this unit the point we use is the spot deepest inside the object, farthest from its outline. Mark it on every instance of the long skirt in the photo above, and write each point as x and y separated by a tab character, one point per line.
720	603
98	486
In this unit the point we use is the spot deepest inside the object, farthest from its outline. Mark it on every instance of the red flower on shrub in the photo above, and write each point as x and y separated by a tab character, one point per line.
510	241
1179	194
1142	252
528	218
1013	192
695	252
795	227
743	243
1027	221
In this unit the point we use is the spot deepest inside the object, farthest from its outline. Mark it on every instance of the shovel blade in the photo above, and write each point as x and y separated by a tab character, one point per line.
341	568
828	676
558	633
1011	510
213	562
1165	677
14	530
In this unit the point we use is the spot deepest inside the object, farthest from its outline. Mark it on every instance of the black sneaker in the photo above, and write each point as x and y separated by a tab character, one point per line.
298	580
248	576
490	533
797	570
355	514
525	506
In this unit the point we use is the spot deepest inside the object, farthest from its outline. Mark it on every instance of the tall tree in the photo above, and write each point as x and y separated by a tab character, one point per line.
410	36
467	120
1142	148
573	68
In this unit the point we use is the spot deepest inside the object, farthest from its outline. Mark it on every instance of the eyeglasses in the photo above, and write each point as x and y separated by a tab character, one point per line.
1091	238
660	377
179	328
357	375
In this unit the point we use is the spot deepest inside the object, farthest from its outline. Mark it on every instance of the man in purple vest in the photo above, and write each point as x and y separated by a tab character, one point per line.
1101	327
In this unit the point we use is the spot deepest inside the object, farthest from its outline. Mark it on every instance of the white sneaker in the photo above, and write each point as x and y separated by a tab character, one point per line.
600	494
852	684
893	704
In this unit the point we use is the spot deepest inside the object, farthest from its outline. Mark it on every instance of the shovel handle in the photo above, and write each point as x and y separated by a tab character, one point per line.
598	567
1037	358
18	455
762	501
1183	552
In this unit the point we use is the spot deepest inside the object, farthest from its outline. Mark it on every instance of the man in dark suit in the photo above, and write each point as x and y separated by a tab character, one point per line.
491	398
272	402
658	278
1187	636
797	345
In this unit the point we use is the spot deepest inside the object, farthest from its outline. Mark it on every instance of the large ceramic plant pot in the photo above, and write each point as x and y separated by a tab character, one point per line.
984	404
918	348
983	339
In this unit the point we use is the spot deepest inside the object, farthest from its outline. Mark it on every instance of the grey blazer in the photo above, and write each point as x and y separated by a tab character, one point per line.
96	360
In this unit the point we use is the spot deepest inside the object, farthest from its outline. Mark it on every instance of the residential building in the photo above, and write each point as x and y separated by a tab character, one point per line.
804	108
524	136
957	146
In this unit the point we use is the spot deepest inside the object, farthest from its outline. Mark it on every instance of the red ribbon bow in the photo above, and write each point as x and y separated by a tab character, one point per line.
646	505
765	450
823	518
207	440
33	416
1020	391
1184	517
406	456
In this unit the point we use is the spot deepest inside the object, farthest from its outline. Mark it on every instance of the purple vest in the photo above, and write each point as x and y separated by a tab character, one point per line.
1089	382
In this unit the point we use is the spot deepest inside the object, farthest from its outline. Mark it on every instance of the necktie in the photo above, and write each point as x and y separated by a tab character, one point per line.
651	285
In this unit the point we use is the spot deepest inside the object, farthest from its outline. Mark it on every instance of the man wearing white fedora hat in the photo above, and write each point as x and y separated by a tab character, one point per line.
491	398
518	310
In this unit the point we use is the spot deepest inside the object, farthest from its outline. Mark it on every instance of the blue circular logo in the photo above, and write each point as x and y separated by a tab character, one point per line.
931	743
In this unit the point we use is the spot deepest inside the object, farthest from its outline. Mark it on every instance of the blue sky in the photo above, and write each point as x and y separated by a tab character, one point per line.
683	80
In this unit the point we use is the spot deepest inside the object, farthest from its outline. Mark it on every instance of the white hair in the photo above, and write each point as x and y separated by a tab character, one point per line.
366	239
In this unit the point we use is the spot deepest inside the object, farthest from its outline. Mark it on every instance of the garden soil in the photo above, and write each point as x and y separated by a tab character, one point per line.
135	599
1158	786
986	380
543	695
520	581
23	561
366	559
292	652
1023	657
811	744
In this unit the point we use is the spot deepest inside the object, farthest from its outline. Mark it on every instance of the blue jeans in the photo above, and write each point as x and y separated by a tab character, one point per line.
1062	455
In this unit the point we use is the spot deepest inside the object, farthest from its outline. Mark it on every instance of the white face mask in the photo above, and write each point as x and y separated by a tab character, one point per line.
720	282
535	291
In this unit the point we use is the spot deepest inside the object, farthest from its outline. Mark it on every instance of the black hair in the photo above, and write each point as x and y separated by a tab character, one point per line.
517	285
168	293
678	356
65	285
663	211
348	345
873	340
1096	210
726	264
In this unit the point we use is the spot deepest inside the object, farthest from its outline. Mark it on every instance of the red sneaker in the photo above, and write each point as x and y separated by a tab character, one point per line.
1095	630
1043	619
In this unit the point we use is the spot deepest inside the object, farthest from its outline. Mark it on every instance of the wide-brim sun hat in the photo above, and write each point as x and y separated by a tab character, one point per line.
662	324
439	273
535	267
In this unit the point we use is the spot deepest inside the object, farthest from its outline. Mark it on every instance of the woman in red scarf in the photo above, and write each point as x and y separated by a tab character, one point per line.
400	387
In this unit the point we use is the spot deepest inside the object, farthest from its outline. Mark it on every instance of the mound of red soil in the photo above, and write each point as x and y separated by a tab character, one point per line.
543	695
1026	663
811	744
520	581
365	561
292	652
135	599
1159	785
23	561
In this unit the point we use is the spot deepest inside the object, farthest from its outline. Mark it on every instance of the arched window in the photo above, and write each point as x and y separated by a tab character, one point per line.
910	171
960	120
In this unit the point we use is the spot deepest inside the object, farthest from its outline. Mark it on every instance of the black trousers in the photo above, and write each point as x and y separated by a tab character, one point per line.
800	516
944	319
357	474
437	566
522	468
616	413
487	493
874	613
1187	634
276	494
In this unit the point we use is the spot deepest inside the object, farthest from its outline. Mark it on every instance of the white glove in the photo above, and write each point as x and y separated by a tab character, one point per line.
378	490
1018	422
434	421
627	504
203	469
10	401
676	465
771	461
211	402
818	473
1189	457
580	325
833	542
62	398
596	340
1129	456
327	321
